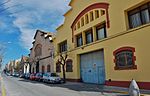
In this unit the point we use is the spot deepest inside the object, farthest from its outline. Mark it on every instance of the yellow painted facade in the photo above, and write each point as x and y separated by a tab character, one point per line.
118	35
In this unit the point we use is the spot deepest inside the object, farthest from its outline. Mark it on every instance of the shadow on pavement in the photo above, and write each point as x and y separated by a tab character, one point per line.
78	86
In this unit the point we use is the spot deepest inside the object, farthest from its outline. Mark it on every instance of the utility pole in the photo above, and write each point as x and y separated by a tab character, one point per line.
0	64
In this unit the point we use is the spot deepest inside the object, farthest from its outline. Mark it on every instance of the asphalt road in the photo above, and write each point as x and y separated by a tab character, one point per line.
21	87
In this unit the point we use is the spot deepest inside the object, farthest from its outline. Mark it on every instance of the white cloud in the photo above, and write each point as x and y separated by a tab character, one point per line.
36	14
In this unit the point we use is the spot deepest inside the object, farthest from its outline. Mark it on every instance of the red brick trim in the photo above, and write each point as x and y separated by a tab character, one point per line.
124	49
142	85
91	7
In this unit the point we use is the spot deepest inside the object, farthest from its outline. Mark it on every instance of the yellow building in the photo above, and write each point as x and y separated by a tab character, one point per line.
106	42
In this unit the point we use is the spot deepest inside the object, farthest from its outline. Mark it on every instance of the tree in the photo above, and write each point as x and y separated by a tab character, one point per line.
62	61
2	47
17	67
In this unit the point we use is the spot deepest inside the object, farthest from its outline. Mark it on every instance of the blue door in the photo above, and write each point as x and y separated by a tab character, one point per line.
92	67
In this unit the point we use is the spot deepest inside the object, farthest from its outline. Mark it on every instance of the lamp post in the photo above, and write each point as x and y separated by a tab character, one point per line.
0	63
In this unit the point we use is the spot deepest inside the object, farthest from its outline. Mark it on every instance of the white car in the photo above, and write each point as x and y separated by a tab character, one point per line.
51	78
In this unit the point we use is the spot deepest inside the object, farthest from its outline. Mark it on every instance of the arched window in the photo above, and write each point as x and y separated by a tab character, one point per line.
58	67
38	50
48	68
124	58
43	69
33	70
69	67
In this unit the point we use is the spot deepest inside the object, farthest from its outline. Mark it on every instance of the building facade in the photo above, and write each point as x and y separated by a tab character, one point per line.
13	66
41	54
106	42
24	65
10	67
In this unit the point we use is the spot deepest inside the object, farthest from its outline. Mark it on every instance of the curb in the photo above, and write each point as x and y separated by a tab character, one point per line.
124	92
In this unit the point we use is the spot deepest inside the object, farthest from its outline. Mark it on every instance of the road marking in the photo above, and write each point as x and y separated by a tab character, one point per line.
3	88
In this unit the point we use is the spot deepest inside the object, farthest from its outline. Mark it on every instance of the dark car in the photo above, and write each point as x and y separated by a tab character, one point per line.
16	74
22	76
39	77
8	74
27	76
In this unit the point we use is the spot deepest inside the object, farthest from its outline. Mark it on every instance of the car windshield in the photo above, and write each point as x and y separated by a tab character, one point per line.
54	75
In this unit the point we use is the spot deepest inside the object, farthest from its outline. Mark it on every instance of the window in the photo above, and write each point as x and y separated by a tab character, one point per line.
124	58
96	14
89	36
69	66
43	69
79	40
101	32
87	19
48	68
58	67
139	16
91	16
38	50
102	12
78	24
82	22
63	46
33	70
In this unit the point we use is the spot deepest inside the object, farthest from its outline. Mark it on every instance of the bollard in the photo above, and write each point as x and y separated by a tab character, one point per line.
134	89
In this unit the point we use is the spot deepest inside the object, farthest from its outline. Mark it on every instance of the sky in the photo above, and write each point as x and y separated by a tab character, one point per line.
19	20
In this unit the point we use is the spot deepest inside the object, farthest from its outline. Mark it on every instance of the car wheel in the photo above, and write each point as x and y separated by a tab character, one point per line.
44	80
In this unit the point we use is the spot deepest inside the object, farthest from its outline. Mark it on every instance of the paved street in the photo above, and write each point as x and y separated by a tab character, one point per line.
20	87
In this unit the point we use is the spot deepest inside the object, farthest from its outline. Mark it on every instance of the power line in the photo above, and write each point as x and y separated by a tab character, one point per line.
5	2
5	9
9	8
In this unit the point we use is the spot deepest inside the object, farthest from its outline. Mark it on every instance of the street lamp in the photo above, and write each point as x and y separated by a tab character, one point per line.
0	63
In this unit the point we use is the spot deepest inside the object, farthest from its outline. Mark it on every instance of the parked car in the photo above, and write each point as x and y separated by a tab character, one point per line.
27	76
39	77
16	74
22	76
8	74
32	76
51	78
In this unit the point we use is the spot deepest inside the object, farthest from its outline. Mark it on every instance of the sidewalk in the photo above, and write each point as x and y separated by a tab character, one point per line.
102	88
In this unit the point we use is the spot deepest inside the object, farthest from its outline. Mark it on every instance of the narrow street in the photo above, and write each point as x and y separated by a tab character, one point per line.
21	87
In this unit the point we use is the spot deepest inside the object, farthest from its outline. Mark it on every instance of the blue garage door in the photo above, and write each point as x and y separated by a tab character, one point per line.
92	67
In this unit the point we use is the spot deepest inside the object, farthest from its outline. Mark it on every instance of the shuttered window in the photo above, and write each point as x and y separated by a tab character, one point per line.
69	67
43	69
63	46
48	68
58	67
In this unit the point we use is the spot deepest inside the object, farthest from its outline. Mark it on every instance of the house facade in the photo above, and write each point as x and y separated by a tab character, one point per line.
13	66
105	41
24	65
41	54
10	67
